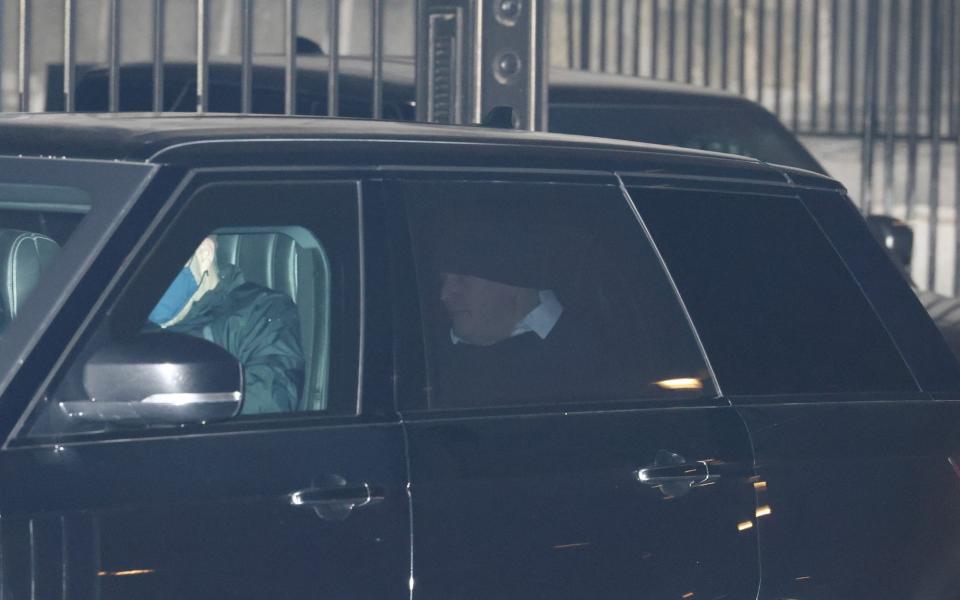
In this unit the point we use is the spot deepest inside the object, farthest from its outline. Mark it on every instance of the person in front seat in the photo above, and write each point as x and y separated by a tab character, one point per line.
510	339
259	326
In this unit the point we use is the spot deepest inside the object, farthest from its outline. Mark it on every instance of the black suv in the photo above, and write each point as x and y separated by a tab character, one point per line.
723	388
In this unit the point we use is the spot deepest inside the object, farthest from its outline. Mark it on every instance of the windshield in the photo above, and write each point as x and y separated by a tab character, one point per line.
734	130
53	214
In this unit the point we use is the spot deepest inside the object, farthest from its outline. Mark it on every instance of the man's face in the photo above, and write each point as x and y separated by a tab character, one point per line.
482	312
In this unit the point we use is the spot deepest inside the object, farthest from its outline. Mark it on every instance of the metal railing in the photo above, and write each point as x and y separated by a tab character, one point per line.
884	71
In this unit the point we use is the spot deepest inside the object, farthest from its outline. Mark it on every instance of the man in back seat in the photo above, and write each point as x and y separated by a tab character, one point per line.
510	338
259	326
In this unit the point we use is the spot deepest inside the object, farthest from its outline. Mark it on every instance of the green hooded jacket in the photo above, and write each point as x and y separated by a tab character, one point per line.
259	326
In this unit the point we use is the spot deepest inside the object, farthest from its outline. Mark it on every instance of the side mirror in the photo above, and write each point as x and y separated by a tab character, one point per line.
894	235
158	379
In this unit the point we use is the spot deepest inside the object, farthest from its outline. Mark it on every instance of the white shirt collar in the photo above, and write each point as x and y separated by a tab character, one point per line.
541	320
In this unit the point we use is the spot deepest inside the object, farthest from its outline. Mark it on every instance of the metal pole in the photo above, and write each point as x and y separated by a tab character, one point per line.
2	28
707	40
570	45
69	56
725	45
654	37
637	8
913	109
890	119
203	54
290	55
797	64
377	59
852	67
159	27
936	91
869	106
23	56
672	41
585	25
950	64
246	56
689	43
778	60
603	36
333	70
834	56
742	52
620	41
956	202
113	49
815	67
761	34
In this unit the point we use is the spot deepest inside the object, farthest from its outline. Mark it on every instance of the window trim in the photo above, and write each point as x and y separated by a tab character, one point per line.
395	176
189	184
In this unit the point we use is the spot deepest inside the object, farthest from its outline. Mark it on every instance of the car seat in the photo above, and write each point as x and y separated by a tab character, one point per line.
291	261
23	255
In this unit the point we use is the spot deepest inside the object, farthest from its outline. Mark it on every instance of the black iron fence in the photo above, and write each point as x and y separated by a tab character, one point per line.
884	71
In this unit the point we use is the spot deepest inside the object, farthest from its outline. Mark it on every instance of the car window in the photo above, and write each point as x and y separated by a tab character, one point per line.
36	220
776	308
544	294
753	133
266	271
43	204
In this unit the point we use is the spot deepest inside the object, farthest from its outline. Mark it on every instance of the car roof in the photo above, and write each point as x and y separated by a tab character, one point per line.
211	139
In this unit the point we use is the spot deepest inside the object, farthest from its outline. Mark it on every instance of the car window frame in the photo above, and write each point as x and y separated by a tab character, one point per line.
190	182
790	188
413	378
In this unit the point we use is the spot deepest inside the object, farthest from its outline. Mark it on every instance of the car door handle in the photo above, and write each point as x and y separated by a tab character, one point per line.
335	503
675	476
696	473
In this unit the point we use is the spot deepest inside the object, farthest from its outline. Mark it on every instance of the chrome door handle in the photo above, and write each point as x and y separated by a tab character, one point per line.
696	473
336	502
674	476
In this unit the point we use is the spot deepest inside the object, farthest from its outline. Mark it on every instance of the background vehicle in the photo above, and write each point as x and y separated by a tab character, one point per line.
766	371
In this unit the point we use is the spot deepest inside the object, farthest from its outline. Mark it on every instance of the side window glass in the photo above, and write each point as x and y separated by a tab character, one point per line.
542	294
247	306
776	308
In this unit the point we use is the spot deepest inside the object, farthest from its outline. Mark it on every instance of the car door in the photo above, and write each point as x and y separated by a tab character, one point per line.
826	353
602	464
308	501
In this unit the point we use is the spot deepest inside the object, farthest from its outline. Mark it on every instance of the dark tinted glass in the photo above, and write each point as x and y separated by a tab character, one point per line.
930	359
544	294
736	131
776	309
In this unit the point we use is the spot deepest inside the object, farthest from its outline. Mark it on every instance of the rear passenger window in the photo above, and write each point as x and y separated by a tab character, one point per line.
775	307
544	294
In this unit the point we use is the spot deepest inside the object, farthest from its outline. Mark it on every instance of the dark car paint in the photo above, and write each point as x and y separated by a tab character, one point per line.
860	488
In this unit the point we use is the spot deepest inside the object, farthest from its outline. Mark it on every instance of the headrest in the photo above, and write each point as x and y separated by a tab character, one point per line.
23	255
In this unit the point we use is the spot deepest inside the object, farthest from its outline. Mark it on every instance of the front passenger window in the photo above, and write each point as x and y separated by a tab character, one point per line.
235	312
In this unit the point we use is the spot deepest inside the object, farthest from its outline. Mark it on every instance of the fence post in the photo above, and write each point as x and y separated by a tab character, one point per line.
69	56
246	56
890	140
23	56
936	82
159	26
869	106
333	68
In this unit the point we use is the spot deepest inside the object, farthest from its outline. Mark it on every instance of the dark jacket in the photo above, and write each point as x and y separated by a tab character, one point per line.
260	327
523	369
